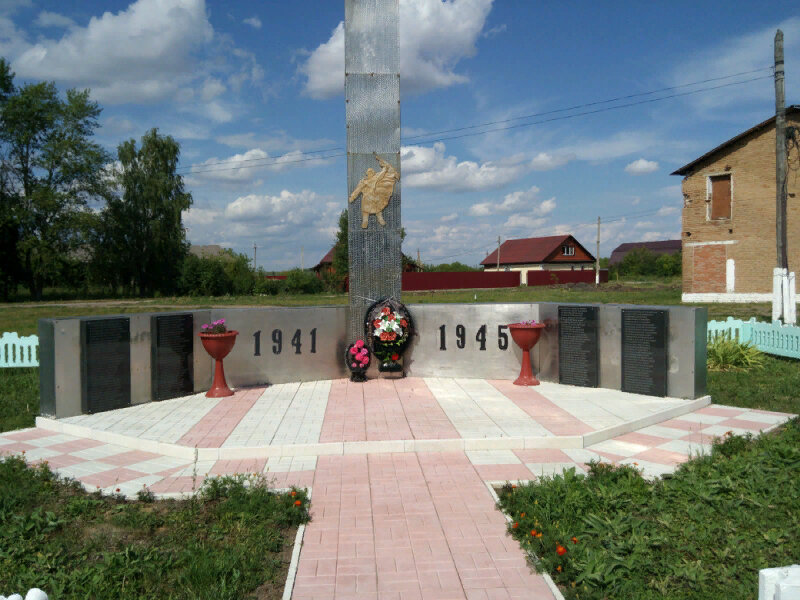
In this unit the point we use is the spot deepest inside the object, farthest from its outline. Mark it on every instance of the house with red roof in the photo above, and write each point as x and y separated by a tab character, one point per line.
552	253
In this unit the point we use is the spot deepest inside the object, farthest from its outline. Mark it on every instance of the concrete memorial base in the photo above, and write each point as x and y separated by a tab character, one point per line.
282	345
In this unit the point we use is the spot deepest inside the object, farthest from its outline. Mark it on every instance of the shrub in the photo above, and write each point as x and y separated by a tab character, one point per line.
269	287
727	354
299	281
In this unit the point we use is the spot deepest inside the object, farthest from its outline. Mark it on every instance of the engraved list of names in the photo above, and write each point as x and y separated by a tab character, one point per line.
644	351
577	345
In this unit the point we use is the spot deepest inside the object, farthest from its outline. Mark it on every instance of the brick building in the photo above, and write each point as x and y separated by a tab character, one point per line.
552	253
728	221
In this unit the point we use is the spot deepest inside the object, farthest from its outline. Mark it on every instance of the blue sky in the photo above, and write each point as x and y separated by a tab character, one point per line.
252	89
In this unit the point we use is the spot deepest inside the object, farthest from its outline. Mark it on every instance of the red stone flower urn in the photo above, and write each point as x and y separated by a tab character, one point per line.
218	346
525	335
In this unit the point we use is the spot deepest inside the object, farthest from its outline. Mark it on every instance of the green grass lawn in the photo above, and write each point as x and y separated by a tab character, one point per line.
703	533
232	541
23	317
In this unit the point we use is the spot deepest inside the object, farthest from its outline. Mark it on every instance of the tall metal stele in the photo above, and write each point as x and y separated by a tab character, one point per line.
372	98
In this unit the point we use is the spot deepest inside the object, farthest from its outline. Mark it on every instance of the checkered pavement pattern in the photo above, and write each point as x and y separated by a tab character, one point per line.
399	526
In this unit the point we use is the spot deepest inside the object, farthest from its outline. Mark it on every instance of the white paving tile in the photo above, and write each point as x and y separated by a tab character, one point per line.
762	418
493	457
469	419
664	432
36	454
721	430
650	470
619	447
696	417
550	468
690	449
509	417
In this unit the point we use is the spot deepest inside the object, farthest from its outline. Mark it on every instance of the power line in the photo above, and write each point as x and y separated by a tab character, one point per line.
267	161
592	112
558	110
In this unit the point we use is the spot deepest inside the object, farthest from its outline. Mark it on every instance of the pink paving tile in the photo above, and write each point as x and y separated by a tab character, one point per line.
64	460
29	434
609	455
753	426
111	477
214	428
548	414
721	411
542	455
662	457
681	424
641	439
16	448
76	445
425	416
180	485
698	438
132	457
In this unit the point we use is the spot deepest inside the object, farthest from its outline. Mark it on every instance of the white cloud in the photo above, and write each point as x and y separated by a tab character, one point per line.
615	146
443	33
738	54
212	87
497	29
302	208
547	162
253	21
51	19
521	200
674	192
151	51
428	167
522	221
244	168
448	218
641	167
667	210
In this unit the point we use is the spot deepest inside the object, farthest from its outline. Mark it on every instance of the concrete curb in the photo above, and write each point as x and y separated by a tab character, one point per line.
372	447
548	580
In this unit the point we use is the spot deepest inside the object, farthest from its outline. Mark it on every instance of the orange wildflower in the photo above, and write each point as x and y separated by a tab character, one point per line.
574	540
297	503
558	568
515	525
560	550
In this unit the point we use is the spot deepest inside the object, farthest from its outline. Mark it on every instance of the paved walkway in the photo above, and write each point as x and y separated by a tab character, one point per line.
398	468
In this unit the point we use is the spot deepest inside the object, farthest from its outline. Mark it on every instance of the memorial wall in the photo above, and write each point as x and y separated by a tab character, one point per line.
90	364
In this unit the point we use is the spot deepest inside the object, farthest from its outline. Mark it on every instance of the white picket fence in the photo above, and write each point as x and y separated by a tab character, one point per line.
16	351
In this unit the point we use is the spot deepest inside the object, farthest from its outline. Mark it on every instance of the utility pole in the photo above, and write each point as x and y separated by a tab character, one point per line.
597	256
255	264
780	152
302	257
498	252
783	298
419	260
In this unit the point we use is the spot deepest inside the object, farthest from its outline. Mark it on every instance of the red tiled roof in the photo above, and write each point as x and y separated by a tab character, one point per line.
660	247
527	250
328	258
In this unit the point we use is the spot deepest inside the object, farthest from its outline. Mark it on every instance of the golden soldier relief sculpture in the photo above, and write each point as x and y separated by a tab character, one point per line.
375	190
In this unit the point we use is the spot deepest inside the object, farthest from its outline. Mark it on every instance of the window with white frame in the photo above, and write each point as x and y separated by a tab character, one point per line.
567	251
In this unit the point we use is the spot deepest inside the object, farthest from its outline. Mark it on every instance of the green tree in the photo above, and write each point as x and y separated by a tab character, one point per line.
51	169
142	235
9	205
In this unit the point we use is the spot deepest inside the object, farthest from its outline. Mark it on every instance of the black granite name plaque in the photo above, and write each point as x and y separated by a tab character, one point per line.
645	356
577	345
105	364
172	366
